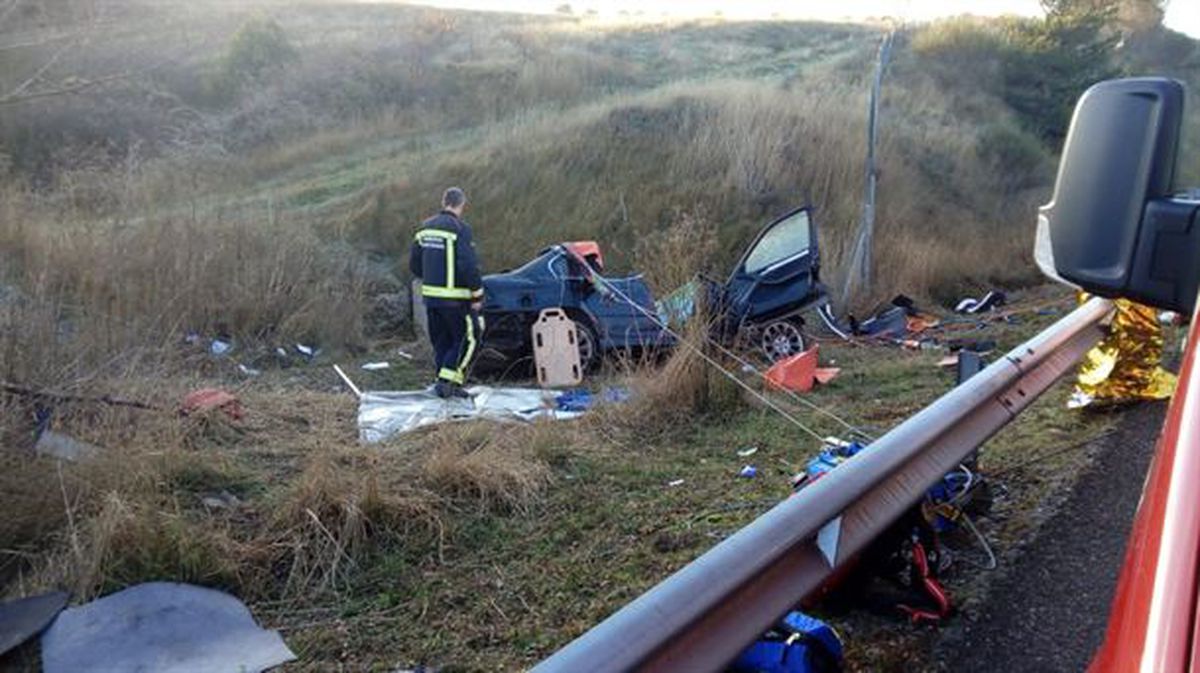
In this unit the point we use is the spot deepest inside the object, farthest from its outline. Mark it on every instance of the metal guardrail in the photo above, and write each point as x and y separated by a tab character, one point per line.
703	616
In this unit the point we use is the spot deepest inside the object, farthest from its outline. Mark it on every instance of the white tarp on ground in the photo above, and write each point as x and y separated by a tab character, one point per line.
383	414
162	627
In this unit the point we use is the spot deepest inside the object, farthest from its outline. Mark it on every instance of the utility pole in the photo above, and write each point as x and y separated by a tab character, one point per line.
858	273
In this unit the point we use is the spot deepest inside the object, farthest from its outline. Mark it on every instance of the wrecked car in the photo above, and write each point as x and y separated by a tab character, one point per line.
760	305
564	276
762	302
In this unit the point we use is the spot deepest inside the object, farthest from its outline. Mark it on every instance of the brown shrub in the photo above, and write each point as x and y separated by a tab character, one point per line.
492	469
337	512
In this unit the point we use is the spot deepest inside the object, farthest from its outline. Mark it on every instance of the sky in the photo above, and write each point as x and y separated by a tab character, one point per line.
1182	15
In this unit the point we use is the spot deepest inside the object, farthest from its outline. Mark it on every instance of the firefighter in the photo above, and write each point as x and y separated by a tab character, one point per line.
443	257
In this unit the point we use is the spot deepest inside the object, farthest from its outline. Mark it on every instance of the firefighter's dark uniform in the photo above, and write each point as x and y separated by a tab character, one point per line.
443	257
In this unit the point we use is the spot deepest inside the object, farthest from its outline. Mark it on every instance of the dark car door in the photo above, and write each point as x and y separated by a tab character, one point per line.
778	272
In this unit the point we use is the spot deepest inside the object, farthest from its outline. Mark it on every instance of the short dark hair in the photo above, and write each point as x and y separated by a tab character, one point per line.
453	198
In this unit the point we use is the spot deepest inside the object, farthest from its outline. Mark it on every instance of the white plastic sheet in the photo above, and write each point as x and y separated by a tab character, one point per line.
383	414
162	627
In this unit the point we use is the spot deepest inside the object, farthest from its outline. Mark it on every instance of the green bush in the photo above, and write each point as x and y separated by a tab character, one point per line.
258	50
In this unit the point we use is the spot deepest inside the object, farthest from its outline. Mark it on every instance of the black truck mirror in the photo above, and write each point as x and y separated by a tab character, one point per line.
1113	226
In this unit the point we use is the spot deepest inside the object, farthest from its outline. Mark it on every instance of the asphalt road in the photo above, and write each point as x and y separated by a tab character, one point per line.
1048	613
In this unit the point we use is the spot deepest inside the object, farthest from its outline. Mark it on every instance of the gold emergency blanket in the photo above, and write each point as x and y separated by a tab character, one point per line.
1126	364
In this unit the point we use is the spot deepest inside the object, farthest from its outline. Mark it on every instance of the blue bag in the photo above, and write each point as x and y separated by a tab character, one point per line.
799	644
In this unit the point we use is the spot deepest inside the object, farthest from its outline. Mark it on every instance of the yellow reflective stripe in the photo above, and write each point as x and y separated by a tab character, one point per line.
438	292
451	376
437	233
462	364
450	262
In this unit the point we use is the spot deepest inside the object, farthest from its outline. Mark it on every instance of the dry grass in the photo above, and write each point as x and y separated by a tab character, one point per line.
337	511
297	506
491	467
91	297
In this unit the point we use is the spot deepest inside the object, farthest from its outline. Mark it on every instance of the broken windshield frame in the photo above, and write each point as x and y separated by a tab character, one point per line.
784	241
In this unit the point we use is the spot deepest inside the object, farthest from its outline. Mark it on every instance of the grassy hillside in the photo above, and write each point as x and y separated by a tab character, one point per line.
341	124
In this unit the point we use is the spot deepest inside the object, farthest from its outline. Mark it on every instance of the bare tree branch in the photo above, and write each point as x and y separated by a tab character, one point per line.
16	92
74	88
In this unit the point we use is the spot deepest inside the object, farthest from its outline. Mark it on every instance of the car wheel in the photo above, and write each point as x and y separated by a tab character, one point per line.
781	339
589	346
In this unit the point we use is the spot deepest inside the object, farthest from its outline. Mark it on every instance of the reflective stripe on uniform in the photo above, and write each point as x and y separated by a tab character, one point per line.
437	233
466	358
439	292
451	375
445	240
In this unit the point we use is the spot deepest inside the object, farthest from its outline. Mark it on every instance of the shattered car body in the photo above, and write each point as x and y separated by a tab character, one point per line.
760	305
776	280
563	276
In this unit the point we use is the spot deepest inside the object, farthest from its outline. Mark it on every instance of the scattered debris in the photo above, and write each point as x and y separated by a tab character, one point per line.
582	399
220	346
353	388
402	353
249	371
799	372
376	366
911	546
63	447
206	400
222	500
1079	399
24	618
747	452
969	364
987	302
308	351
748	472
891	322
980	346
674	483
163	627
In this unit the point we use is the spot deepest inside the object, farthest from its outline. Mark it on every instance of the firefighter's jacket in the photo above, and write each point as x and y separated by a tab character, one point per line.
443	257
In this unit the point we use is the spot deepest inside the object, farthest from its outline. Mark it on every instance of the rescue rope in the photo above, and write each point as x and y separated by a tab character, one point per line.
730	375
